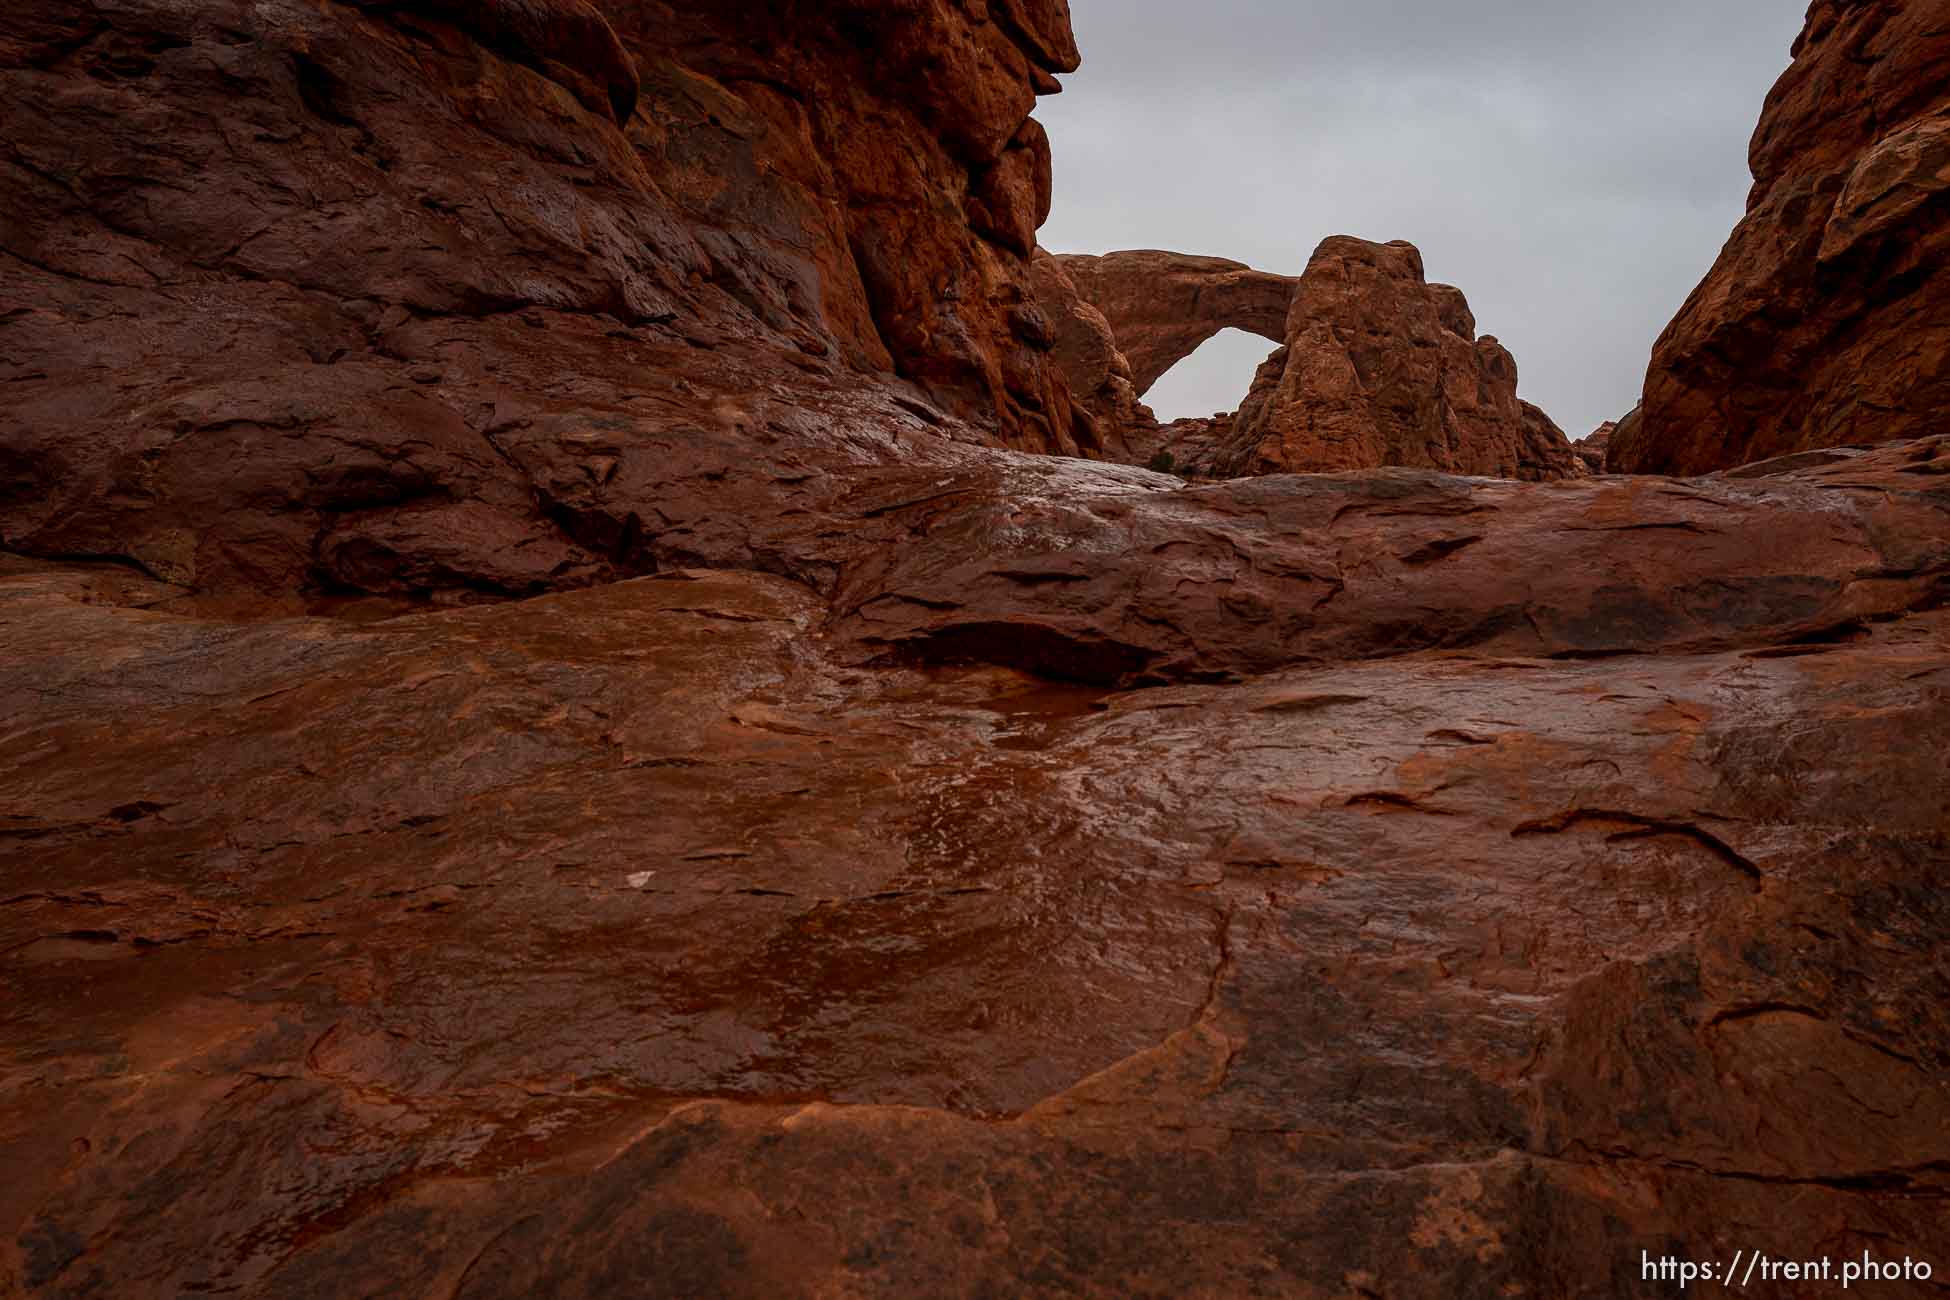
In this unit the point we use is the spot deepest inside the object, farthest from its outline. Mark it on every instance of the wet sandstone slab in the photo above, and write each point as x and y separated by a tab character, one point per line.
1067	571
767	932
628	939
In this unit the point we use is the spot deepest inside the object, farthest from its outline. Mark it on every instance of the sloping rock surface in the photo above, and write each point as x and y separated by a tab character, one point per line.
1826	320
531	764
1376	367
1121	584
629	941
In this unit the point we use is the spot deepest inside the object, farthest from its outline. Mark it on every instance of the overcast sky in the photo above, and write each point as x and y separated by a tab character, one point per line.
1573	165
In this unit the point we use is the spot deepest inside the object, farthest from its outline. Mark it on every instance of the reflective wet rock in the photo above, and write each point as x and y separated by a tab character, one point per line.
1069	571
277	268
627	938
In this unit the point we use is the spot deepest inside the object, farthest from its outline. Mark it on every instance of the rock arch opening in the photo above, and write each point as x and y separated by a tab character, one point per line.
1162	306
1213	380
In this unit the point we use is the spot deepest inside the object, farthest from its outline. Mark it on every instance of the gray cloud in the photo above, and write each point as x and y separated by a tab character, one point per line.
1573	166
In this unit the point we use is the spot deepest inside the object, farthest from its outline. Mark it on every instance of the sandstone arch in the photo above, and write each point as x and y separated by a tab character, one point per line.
1161	306
1375	366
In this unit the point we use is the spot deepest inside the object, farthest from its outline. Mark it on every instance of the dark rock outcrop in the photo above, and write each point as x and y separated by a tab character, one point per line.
1591	448
1086	349
1826	320
567	41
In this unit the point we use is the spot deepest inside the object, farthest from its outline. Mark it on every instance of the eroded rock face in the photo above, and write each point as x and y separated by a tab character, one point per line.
1382	368
1097	579
1162	306
628	940
1826	320
1388	882
1592	448
1086	349
352	236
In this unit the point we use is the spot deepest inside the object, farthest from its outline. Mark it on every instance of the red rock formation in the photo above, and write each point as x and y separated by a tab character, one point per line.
1826	320
1079	574
1086	350
758	928
1377	366
1592	447
352	234
567	41
1382	368
1162	306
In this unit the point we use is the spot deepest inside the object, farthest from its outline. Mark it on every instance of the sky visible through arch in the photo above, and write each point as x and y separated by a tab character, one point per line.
1573	166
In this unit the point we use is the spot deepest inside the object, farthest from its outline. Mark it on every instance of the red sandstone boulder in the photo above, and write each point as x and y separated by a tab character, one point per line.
1826	320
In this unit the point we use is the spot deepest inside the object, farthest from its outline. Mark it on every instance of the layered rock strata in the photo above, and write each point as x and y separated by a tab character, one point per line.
360	240
1826	320
1079	574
